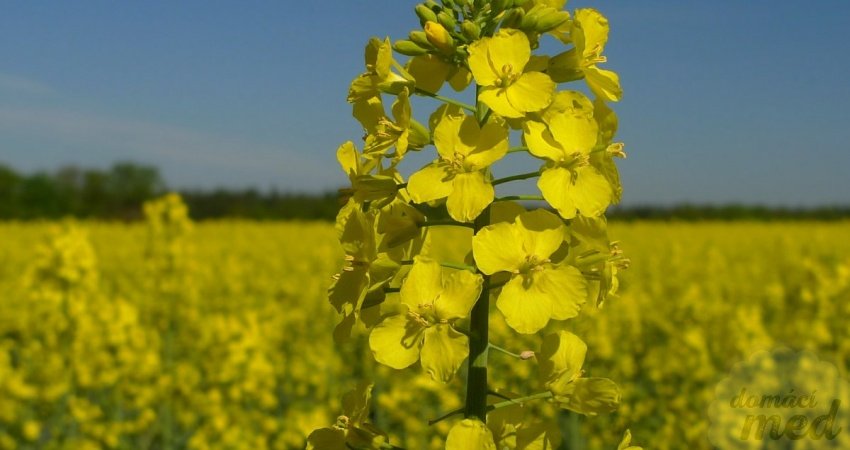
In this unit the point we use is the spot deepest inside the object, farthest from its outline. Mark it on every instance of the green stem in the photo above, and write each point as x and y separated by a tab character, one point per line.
522	176
521	400
445	416
479	328
450	101
505	351
447	264
435	223
537	198
518	149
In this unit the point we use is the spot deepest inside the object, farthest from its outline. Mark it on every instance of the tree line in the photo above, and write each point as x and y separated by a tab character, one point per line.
117	193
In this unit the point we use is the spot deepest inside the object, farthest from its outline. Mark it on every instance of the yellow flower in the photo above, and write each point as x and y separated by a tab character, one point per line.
625	444
378	76
497	64
588	33
465	152
569	182
364	185
470	434
425	331
365	272
538	289
560	360
351	429
382	132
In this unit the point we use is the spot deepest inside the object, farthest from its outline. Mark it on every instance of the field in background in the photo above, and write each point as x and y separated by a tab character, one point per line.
219	336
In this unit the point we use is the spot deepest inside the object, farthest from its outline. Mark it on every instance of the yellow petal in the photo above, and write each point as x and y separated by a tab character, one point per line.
491	146
571	287
541	232
593	28
574	133
460	79
348	290
505	212
560	360
593	192
432	182
470	434
368	111
471	193
585	190
429	71
591	396
355	403
498	248
572	102
604	83
497	99
479	63
531	92
509	47
348	158
443	351
460	292
456	134
526	306
422	285
540	141
539	436
326	439
395	341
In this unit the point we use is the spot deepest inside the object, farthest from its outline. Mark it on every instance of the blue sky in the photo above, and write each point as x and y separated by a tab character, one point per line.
743	101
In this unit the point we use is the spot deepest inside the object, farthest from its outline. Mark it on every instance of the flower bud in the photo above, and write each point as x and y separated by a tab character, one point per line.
470	30
550	20
501	5
425	14
439	37
528	354
420	39
434	6
408	48
448	3
512	18
446	20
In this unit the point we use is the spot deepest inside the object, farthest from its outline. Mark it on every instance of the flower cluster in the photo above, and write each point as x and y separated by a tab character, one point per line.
540	258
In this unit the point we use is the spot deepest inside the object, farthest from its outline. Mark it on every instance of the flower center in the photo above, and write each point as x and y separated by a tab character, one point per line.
507	77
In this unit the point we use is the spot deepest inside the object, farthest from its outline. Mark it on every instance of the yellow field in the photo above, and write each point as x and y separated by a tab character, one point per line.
219	335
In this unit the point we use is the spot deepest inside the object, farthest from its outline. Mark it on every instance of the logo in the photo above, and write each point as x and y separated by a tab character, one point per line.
781	399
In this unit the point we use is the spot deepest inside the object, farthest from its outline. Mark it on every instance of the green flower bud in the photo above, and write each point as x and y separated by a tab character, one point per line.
551	20
529	19
420	39
439	37
433	5
512	18
501	5
471	31
425	14
448	3
408	48
446	20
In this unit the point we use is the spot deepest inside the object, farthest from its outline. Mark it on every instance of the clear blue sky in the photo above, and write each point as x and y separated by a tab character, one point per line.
725	101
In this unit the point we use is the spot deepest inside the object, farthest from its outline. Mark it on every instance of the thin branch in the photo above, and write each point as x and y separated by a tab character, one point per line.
520	400
505	351
522	176
446	222
445	416
537	198
450	101
521	148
